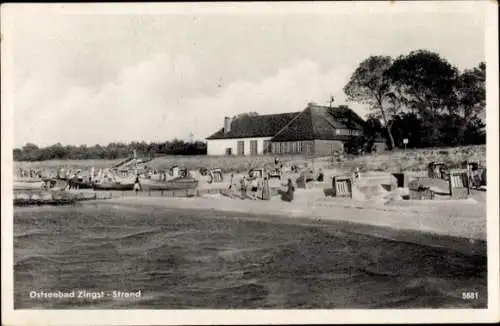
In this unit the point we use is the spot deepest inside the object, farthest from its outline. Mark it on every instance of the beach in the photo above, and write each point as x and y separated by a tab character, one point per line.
461	218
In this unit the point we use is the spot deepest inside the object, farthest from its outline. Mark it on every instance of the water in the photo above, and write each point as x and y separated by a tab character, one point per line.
192	259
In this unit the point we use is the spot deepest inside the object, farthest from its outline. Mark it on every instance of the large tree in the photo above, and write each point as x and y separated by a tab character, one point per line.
370	85
471	94
426	84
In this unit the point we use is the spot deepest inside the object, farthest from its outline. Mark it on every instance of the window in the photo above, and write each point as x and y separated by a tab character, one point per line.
309	148
253	148
267	147
276	148
343	132
283	147
294	147
300	147
240	147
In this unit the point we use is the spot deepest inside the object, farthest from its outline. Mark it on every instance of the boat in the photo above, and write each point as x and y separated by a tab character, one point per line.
78	183
181	183
28	184
113	186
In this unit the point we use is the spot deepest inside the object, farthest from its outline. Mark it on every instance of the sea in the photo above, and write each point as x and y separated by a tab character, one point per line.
138	257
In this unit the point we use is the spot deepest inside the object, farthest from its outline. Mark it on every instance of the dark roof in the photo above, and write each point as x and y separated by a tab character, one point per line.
315	122
319	122
255	126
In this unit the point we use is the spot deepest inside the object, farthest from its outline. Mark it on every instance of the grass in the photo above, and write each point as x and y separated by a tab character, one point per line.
400	160
414	159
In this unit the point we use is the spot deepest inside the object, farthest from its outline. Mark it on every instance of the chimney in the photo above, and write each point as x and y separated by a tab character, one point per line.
227	124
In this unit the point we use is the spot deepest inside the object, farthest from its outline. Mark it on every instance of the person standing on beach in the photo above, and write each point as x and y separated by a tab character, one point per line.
266	191
137	184
231	181
290	189
243	187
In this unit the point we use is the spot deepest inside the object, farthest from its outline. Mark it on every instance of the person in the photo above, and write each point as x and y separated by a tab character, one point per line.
255	185
356	174
266	191
475	178
137	184
243	187
321	176
231	181
290	189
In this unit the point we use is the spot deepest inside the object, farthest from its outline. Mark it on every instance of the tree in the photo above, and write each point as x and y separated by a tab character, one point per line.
408	125
370	85
471	94
372	130
425	83
245	114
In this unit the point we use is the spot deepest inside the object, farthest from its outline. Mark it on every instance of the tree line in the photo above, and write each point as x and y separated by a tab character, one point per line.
31	152
421	97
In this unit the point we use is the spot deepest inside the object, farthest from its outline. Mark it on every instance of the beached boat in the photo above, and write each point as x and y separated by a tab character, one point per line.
53	197
28	184
113	186
80	184
172	184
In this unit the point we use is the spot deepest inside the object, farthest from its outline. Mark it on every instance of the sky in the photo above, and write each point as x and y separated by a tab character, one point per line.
84	77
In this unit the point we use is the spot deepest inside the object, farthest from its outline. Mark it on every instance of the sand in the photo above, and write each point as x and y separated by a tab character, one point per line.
456	218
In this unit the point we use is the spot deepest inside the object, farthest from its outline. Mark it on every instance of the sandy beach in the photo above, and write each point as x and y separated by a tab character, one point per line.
457	224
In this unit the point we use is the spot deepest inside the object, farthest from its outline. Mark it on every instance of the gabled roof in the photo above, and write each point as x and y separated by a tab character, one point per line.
320	122
315	122
266	125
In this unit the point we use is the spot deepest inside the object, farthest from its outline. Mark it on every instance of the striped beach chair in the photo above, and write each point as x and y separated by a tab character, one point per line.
459	184
342	186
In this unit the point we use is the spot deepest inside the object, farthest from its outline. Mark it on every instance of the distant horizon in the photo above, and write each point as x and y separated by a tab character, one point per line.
94	79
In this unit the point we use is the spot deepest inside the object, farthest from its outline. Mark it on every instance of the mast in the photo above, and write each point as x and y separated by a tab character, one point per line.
135	163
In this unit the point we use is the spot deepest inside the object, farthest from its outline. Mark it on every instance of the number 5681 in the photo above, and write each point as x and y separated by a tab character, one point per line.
470	295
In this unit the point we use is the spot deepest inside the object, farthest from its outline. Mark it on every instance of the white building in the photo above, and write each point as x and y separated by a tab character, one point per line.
315	130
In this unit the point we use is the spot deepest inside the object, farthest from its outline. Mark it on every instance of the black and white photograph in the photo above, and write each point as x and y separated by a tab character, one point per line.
259	158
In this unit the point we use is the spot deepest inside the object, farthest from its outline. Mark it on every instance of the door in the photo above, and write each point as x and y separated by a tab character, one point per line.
309	148
253	147
267	147
241	148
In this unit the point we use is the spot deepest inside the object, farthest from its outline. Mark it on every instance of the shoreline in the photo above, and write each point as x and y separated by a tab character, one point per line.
462	228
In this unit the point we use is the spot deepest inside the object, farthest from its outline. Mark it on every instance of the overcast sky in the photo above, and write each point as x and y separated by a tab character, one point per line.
97	78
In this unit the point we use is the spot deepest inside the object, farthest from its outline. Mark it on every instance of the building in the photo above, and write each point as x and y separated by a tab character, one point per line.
316	130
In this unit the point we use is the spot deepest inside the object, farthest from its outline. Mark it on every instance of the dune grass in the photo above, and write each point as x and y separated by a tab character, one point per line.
400	160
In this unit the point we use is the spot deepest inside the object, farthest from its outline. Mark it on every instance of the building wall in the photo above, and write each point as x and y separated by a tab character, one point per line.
217	147
328	147
308	147
292	147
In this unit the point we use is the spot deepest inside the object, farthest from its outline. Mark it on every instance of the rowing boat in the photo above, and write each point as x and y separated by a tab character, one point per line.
173	184
113	186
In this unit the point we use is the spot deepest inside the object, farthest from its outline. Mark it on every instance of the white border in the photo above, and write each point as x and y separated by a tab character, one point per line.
205	317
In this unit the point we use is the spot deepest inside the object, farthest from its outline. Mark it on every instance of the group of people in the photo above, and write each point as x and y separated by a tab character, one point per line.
254	187
30	173
257	187
477	177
